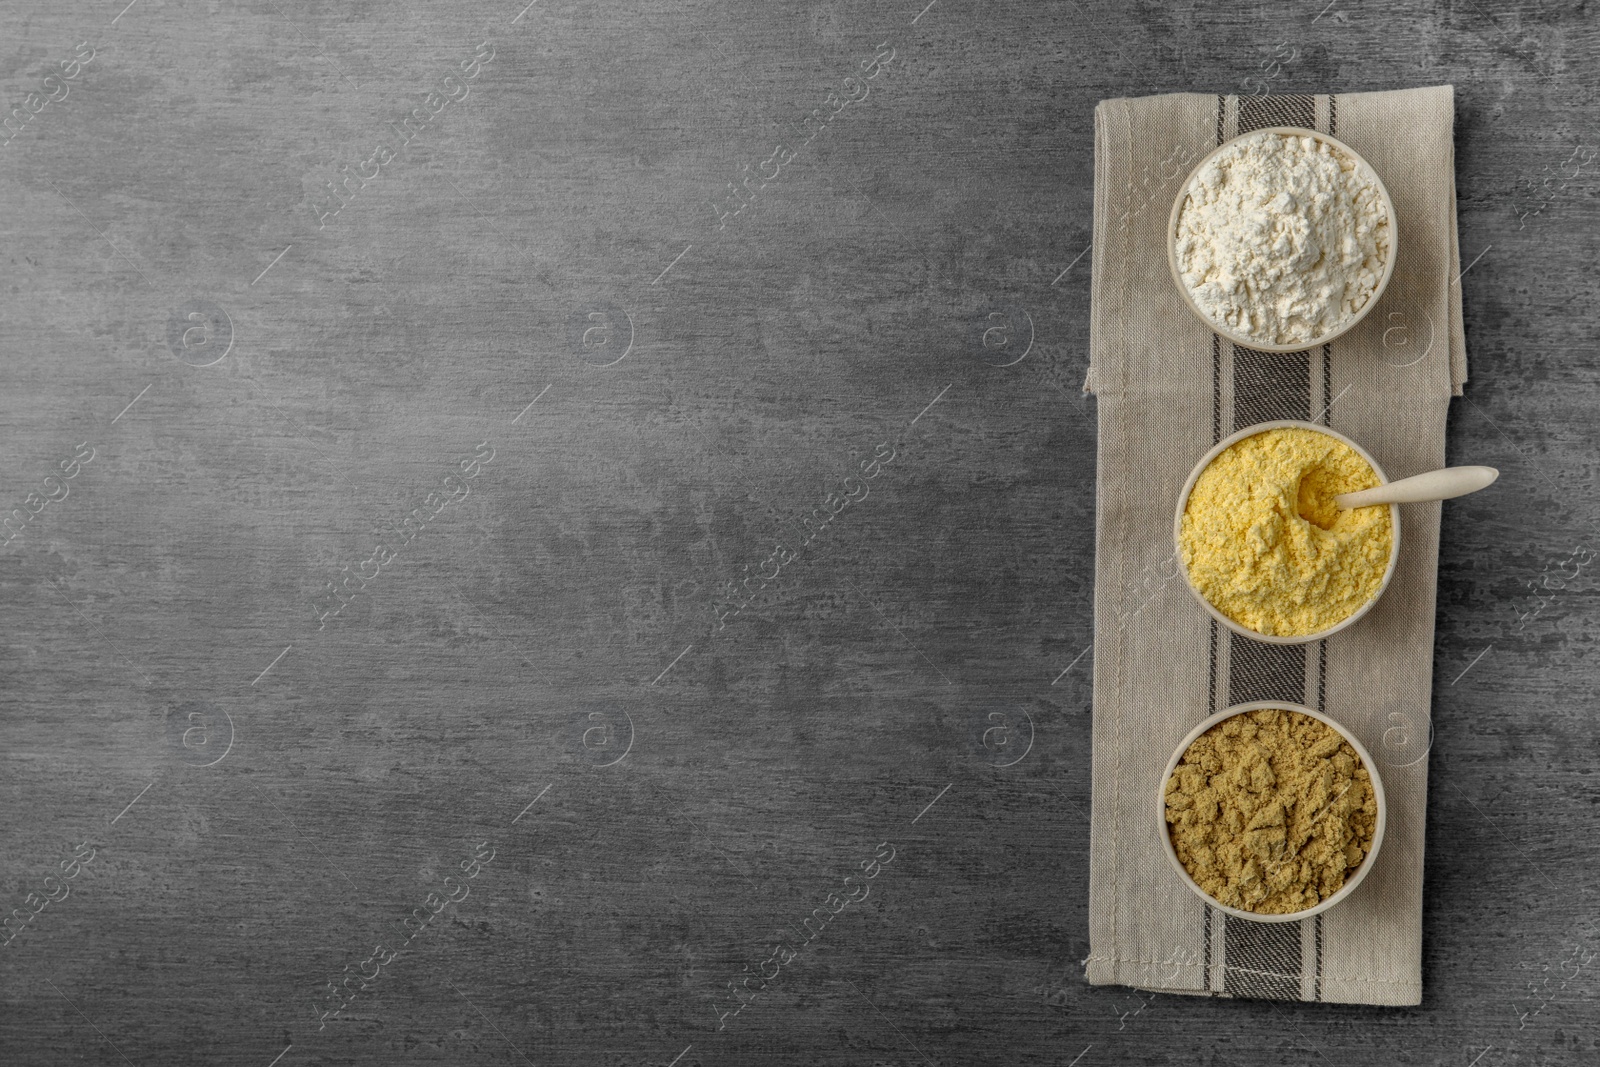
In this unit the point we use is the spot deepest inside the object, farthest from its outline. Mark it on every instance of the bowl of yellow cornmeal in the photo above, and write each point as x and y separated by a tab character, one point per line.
1265	549
1271	811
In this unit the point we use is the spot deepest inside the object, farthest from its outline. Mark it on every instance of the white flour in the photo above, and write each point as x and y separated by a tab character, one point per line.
1282	239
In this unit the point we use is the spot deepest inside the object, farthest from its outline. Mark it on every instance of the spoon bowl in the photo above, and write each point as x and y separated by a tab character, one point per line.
1239	628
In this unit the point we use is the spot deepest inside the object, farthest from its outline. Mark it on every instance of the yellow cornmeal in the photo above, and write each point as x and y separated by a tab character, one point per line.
1263	541
1270	811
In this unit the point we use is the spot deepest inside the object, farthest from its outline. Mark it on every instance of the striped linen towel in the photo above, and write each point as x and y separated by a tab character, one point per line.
1168	388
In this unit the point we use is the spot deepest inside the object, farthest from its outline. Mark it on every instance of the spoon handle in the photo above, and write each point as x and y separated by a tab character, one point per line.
1434	485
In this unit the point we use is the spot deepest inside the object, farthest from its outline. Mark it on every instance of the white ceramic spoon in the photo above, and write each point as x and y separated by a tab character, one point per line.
1434	485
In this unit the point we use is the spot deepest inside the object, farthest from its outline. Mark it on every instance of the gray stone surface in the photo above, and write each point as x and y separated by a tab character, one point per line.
266	799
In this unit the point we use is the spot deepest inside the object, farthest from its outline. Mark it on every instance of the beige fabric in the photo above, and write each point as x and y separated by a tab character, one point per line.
1168	389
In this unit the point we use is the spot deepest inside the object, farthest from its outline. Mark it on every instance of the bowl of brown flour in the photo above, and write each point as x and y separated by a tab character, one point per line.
1282	239
1271	811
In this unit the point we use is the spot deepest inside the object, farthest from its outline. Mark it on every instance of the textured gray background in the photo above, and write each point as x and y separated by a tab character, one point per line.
928	647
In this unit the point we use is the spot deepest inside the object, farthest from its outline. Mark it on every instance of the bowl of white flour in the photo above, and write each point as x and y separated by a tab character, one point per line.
1282	239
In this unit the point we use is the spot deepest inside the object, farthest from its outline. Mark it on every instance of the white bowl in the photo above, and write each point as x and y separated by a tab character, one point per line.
1238	628
1244	340
1350	882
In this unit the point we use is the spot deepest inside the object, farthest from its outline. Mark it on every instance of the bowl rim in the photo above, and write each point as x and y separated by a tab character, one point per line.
1298	346
1237	627
1350	884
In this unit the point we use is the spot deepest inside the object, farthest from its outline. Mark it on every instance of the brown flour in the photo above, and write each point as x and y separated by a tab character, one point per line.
1270	810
